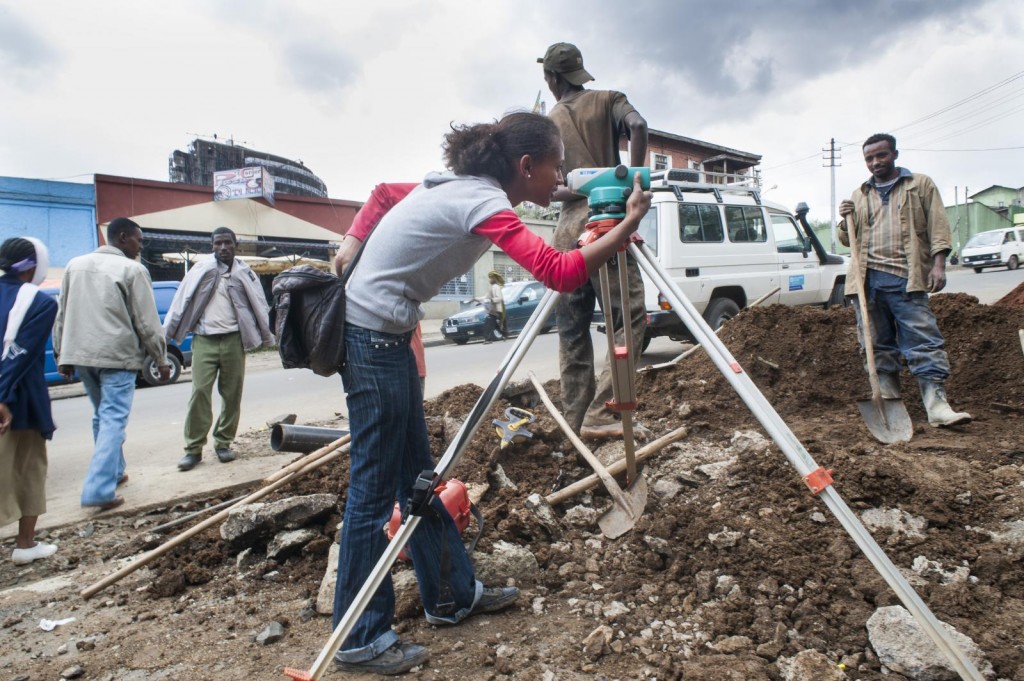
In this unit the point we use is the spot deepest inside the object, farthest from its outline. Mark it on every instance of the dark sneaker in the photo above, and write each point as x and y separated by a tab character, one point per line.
398	659
189	461
495	598
491	600
224	455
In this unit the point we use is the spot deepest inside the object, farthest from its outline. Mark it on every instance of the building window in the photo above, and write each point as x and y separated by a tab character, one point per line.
459	287
660	161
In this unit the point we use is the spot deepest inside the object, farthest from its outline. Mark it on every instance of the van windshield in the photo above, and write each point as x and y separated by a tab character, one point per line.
985	239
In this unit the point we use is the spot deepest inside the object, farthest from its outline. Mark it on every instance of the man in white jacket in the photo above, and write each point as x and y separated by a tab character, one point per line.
220	301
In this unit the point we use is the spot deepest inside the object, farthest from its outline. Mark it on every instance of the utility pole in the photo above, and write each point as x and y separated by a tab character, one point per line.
833	156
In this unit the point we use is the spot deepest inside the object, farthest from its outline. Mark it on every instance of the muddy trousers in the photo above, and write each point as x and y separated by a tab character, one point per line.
216	359
583	397
902	324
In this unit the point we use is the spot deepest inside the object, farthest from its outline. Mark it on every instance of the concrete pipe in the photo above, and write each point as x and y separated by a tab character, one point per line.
286	437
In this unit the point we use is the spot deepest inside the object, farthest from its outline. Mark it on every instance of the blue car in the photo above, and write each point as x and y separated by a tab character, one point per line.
521	299
179	355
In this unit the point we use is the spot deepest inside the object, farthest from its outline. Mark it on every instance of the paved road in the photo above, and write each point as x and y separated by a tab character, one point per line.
154	434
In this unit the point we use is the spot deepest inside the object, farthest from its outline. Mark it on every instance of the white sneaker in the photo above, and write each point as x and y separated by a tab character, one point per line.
40	550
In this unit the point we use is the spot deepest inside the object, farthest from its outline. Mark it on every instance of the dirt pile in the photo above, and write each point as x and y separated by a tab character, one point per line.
733	569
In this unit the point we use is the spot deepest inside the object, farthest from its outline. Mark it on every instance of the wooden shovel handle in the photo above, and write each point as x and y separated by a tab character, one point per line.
858	280
609	482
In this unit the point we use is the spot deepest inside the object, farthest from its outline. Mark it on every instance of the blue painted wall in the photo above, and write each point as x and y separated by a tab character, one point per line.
61	214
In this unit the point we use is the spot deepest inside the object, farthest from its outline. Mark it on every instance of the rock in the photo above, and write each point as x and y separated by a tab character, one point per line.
597	642
725	539
273	633
614	609
929	568
895	521
1014	533
747	440
581	516
253	523
72	672
506	561
716	470
545	514
809	665
290	542
247	558
325	597
667	489
502	479
903	646
11	621
730	645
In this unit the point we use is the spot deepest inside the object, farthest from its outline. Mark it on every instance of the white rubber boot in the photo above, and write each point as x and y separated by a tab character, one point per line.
939	411
890	386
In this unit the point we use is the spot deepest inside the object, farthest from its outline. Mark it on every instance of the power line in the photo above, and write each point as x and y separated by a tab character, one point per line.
964	150
963	101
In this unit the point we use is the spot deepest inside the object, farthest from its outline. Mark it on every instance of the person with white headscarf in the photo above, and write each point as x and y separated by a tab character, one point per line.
26	422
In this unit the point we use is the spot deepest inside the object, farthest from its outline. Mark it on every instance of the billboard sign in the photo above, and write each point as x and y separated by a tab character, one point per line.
243	183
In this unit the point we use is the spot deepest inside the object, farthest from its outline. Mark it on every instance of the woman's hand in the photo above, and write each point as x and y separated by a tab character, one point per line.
639	202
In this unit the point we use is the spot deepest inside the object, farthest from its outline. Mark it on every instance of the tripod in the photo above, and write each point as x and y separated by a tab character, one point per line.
817	479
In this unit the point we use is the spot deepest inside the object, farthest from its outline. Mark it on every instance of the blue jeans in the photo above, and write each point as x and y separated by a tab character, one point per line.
902	323
390	448
111	392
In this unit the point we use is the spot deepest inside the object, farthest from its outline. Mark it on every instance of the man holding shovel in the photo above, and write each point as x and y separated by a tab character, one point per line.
903	238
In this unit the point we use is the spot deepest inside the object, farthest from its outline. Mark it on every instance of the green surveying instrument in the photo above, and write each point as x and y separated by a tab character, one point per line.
607	190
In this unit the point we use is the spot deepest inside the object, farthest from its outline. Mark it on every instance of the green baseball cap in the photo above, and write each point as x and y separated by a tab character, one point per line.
565	59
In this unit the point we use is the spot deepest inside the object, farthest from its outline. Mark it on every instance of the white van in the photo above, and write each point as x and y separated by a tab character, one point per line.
725	247
995	248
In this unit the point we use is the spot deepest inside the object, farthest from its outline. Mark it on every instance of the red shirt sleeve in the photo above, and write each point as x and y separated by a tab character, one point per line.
382	199
557	270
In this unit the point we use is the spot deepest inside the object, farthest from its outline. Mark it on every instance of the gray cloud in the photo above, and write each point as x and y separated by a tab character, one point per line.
24	53
320	69
755	47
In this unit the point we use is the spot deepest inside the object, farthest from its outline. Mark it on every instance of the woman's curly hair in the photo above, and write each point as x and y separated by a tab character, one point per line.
494	149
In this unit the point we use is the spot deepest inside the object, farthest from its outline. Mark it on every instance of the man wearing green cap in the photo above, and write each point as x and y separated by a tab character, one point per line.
591	123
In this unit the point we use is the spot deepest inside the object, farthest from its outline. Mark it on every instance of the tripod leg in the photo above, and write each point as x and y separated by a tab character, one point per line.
621	360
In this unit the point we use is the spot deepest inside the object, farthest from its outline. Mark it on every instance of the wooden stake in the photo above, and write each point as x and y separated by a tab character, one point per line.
592	481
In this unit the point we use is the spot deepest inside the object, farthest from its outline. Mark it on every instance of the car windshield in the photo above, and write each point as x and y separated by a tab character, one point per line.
985	239
511	292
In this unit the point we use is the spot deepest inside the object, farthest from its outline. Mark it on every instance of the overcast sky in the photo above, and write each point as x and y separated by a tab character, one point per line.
363	92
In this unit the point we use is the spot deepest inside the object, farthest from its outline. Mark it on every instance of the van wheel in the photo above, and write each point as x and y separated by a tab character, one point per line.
977	270
1012	263
151	376
837	298
720	311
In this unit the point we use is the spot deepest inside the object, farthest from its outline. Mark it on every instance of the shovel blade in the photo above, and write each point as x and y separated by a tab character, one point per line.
887	420
617	520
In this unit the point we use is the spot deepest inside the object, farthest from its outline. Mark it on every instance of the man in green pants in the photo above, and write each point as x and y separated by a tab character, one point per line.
220	301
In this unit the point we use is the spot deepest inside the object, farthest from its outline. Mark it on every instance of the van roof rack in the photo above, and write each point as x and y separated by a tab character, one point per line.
693	180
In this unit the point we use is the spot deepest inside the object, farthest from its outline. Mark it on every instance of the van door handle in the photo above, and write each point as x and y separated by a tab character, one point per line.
785	267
